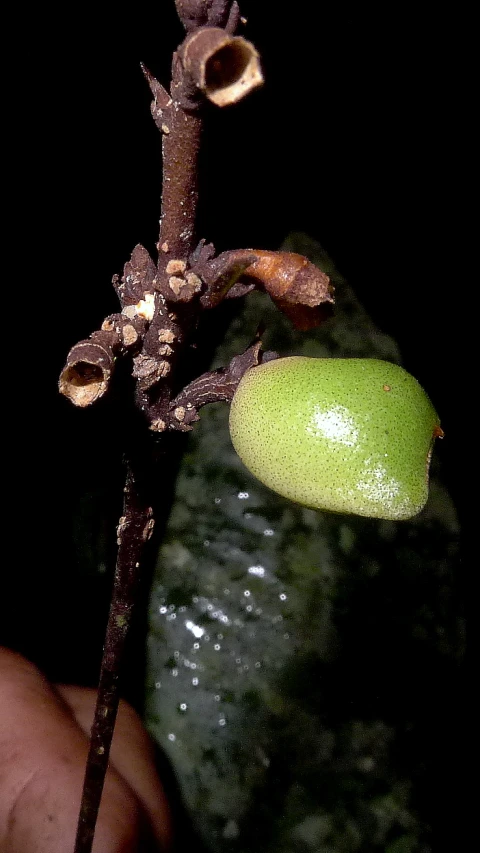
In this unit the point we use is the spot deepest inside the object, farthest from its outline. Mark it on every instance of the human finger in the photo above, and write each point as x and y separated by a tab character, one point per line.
43	753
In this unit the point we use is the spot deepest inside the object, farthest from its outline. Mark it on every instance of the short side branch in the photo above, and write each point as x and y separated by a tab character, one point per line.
89	365
214	387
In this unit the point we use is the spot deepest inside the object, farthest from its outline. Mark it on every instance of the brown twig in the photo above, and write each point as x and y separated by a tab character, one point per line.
216	386
134	530
160	306
299	289
156	333
89	366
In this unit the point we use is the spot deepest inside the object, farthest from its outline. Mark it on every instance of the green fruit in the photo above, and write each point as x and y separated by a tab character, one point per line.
347	435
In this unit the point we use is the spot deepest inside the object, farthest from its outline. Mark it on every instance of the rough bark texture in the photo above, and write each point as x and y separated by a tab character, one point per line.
160	307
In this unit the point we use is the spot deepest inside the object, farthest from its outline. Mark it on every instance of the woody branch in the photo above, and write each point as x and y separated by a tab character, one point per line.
160	305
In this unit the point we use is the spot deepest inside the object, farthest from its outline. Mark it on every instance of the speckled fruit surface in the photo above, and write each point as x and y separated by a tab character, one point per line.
346	435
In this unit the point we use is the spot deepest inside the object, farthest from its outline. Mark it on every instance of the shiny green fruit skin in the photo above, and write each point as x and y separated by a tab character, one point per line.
346	435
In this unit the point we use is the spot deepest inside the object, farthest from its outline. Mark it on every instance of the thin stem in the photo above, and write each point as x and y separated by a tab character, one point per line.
133	531
181	145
